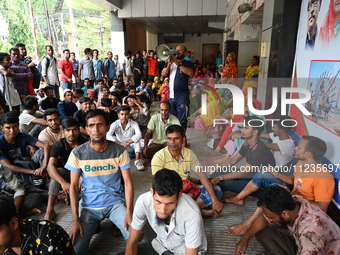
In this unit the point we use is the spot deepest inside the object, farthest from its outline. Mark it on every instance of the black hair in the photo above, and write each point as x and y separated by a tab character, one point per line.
151	51
167	183
7	210
2	56
79	91
104	87
19	45
70	122
143	79
84	99
106	102
50	111
128	52
257	58
29	102
9	118
86	79
120	85
115	79
320	1
255	121
87	50
72	53
149	80
48	46
68	91
95	50
13	49
100	80
131	87
276	199
129	96
65	50
22	93
165	102
316	146
123	108
47	88
287	121
97	112
175	129
115	94
120	75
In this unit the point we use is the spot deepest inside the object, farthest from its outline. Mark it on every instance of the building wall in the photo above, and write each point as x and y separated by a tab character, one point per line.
194	43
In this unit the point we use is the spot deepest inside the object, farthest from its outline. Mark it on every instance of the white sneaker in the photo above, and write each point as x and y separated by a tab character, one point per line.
139	165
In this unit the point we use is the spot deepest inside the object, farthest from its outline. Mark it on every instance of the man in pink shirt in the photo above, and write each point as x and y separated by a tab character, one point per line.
66	71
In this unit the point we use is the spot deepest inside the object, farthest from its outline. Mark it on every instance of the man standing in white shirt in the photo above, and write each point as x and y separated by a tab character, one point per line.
49	70
126	132
86	69
127	70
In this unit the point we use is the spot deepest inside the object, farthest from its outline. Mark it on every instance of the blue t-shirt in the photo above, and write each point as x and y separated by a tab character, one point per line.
18	149
101	173
180	89
97	66
111	68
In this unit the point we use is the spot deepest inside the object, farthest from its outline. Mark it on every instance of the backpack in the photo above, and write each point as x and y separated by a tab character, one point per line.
40	66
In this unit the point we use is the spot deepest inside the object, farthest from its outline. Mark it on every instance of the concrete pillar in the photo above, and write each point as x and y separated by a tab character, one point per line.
117	36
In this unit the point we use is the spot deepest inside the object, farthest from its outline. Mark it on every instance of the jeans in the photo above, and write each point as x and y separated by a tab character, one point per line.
66	85
90	220
235	186
179	108
56	91
265	179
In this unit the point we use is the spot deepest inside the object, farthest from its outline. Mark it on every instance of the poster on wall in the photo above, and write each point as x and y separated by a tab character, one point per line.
317	69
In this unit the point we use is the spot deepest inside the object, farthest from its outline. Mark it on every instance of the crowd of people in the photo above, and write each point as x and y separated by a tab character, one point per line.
79	150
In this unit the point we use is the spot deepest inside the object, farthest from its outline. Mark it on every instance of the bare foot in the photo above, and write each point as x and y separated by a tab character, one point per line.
208	213
63	197
50	214
214	153
239	229
233	200
30	212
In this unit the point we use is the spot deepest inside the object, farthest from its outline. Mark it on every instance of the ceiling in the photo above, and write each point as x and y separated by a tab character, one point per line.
178	24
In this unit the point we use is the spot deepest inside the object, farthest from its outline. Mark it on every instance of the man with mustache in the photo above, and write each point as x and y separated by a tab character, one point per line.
313	9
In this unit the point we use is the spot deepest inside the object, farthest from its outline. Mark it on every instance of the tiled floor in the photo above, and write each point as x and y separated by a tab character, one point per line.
219	241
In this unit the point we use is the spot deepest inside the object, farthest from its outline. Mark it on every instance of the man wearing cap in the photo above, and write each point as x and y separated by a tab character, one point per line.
66	108
138	67
40	94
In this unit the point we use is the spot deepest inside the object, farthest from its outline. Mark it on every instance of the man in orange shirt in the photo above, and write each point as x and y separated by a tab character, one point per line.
152	66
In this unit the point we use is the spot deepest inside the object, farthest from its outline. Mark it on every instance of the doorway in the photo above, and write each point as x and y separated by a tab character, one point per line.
209	51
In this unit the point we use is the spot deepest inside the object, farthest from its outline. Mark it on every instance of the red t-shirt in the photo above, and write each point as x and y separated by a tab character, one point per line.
67	67
152	66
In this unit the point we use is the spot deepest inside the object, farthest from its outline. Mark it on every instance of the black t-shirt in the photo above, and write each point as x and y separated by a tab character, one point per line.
46	104
259	155
80	115
113	116
61	150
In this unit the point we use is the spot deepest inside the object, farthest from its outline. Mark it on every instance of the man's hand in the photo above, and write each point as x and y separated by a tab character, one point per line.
217	206
39	172
127	221
241	247
66	187
78	79
69	80
145	151
33	150
58	83
215	181
76	227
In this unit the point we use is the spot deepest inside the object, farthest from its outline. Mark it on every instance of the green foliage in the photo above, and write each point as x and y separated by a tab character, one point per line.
87	18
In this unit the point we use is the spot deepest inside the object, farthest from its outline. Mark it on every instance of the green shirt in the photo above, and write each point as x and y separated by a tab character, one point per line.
158	127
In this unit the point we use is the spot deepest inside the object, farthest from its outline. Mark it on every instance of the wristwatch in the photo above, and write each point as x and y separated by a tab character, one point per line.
220	177
127	143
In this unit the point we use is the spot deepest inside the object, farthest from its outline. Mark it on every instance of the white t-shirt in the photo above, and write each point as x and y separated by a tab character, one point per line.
47	136
127	66
26	121
286	152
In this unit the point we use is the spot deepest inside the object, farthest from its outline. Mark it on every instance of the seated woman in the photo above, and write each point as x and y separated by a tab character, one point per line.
203	121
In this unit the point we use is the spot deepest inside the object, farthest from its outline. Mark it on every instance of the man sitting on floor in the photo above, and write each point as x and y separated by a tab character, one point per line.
317	187
60	177
156	128
256	153
30	236
181	159
312	230
126	132
30	116
52	133
66	108
174	216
